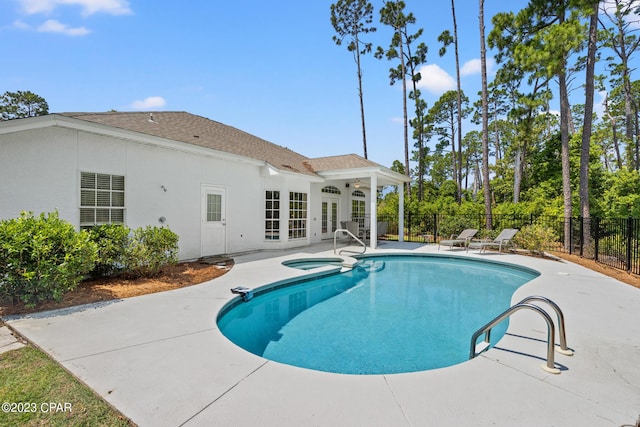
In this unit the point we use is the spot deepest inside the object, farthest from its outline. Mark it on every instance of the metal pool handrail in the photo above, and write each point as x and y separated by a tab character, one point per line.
561	331
551	333
335	239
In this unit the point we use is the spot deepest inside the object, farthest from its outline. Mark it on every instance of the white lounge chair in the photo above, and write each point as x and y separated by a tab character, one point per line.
504	239
462	239
354	228
382	227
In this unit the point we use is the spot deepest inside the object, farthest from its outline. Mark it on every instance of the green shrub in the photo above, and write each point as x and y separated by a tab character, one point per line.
112	241
536	238
485	234
149	250
42	257
133	253
453	225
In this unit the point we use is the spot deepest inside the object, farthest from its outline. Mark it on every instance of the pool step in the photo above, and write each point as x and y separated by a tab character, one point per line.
482	346
348	262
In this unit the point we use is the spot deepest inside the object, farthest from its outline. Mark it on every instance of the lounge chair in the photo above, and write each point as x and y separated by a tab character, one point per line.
354	228
462	239
343	225
504	239
382	227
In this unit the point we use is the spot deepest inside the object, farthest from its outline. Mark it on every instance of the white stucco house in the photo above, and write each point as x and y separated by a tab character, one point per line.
220	189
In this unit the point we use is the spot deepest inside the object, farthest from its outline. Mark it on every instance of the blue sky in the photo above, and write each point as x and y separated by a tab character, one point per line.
268	68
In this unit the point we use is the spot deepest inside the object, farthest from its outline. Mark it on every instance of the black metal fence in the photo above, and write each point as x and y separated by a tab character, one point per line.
613	241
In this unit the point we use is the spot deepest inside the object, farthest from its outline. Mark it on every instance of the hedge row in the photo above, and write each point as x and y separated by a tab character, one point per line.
42	257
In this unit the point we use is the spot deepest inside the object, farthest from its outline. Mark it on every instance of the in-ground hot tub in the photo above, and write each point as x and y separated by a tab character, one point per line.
311	263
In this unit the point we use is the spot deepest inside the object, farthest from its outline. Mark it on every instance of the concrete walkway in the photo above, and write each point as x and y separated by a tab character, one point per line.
161	360
8	341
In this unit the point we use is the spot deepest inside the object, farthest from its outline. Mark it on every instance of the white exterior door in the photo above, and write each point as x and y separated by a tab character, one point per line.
213	221
330	219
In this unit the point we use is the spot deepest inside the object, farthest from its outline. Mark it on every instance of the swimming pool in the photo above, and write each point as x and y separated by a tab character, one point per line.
390	314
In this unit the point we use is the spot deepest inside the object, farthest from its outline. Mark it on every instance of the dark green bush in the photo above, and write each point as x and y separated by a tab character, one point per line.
133	253
535	238
453	225
112	241
149	250
42	257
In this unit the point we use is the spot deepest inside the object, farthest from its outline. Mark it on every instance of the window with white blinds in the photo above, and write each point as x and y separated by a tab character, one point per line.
101	199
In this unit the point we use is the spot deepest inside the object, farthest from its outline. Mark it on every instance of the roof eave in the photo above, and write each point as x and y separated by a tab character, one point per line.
384	175
274	170
115	132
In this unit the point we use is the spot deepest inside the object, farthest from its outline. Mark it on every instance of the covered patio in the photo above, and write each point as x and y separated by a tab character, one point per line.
359	173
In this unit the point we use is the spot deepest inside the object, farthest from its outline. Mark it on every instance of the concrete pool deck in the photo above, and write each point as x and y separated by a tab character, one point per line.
161	360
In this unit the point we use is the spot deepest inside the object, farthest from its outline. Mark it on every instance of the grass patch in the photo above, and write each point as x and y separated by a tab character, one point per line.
45	394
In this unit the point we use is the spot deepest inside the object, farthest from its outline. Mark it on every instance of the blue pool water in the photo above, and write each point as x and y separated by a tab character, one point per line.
390	314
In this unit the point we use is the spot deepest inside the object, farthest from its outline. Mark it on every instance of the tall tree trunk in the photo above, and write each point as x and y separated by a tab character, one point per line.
628	119
405	116
361	96
421	161
420	127
566	166
459	101
467	172
570	124
517	175
564	139
586	132
454	152
614	132
637	128
623	54
518	169
485	123
624	45
476	177
496	134
549	124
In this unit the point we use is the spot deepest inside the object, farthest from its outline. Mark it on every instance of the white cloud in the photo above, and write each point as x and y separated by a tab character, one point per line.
435	79
21	25
470	67
53	26
598	107
89	7
474	67
149	103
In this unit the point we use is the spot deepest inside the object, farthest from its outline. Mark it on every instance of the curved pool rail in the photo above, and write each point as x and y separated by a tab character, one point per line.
486	330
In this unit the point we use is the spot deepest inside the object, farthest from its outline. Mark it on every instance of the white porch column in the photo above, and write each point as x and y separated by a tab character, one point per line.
373	227
401	212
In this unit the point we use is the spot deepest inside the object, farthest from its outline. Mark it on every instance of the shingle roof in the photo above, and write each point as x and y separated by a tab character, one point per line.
197	130
200	131
346	161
